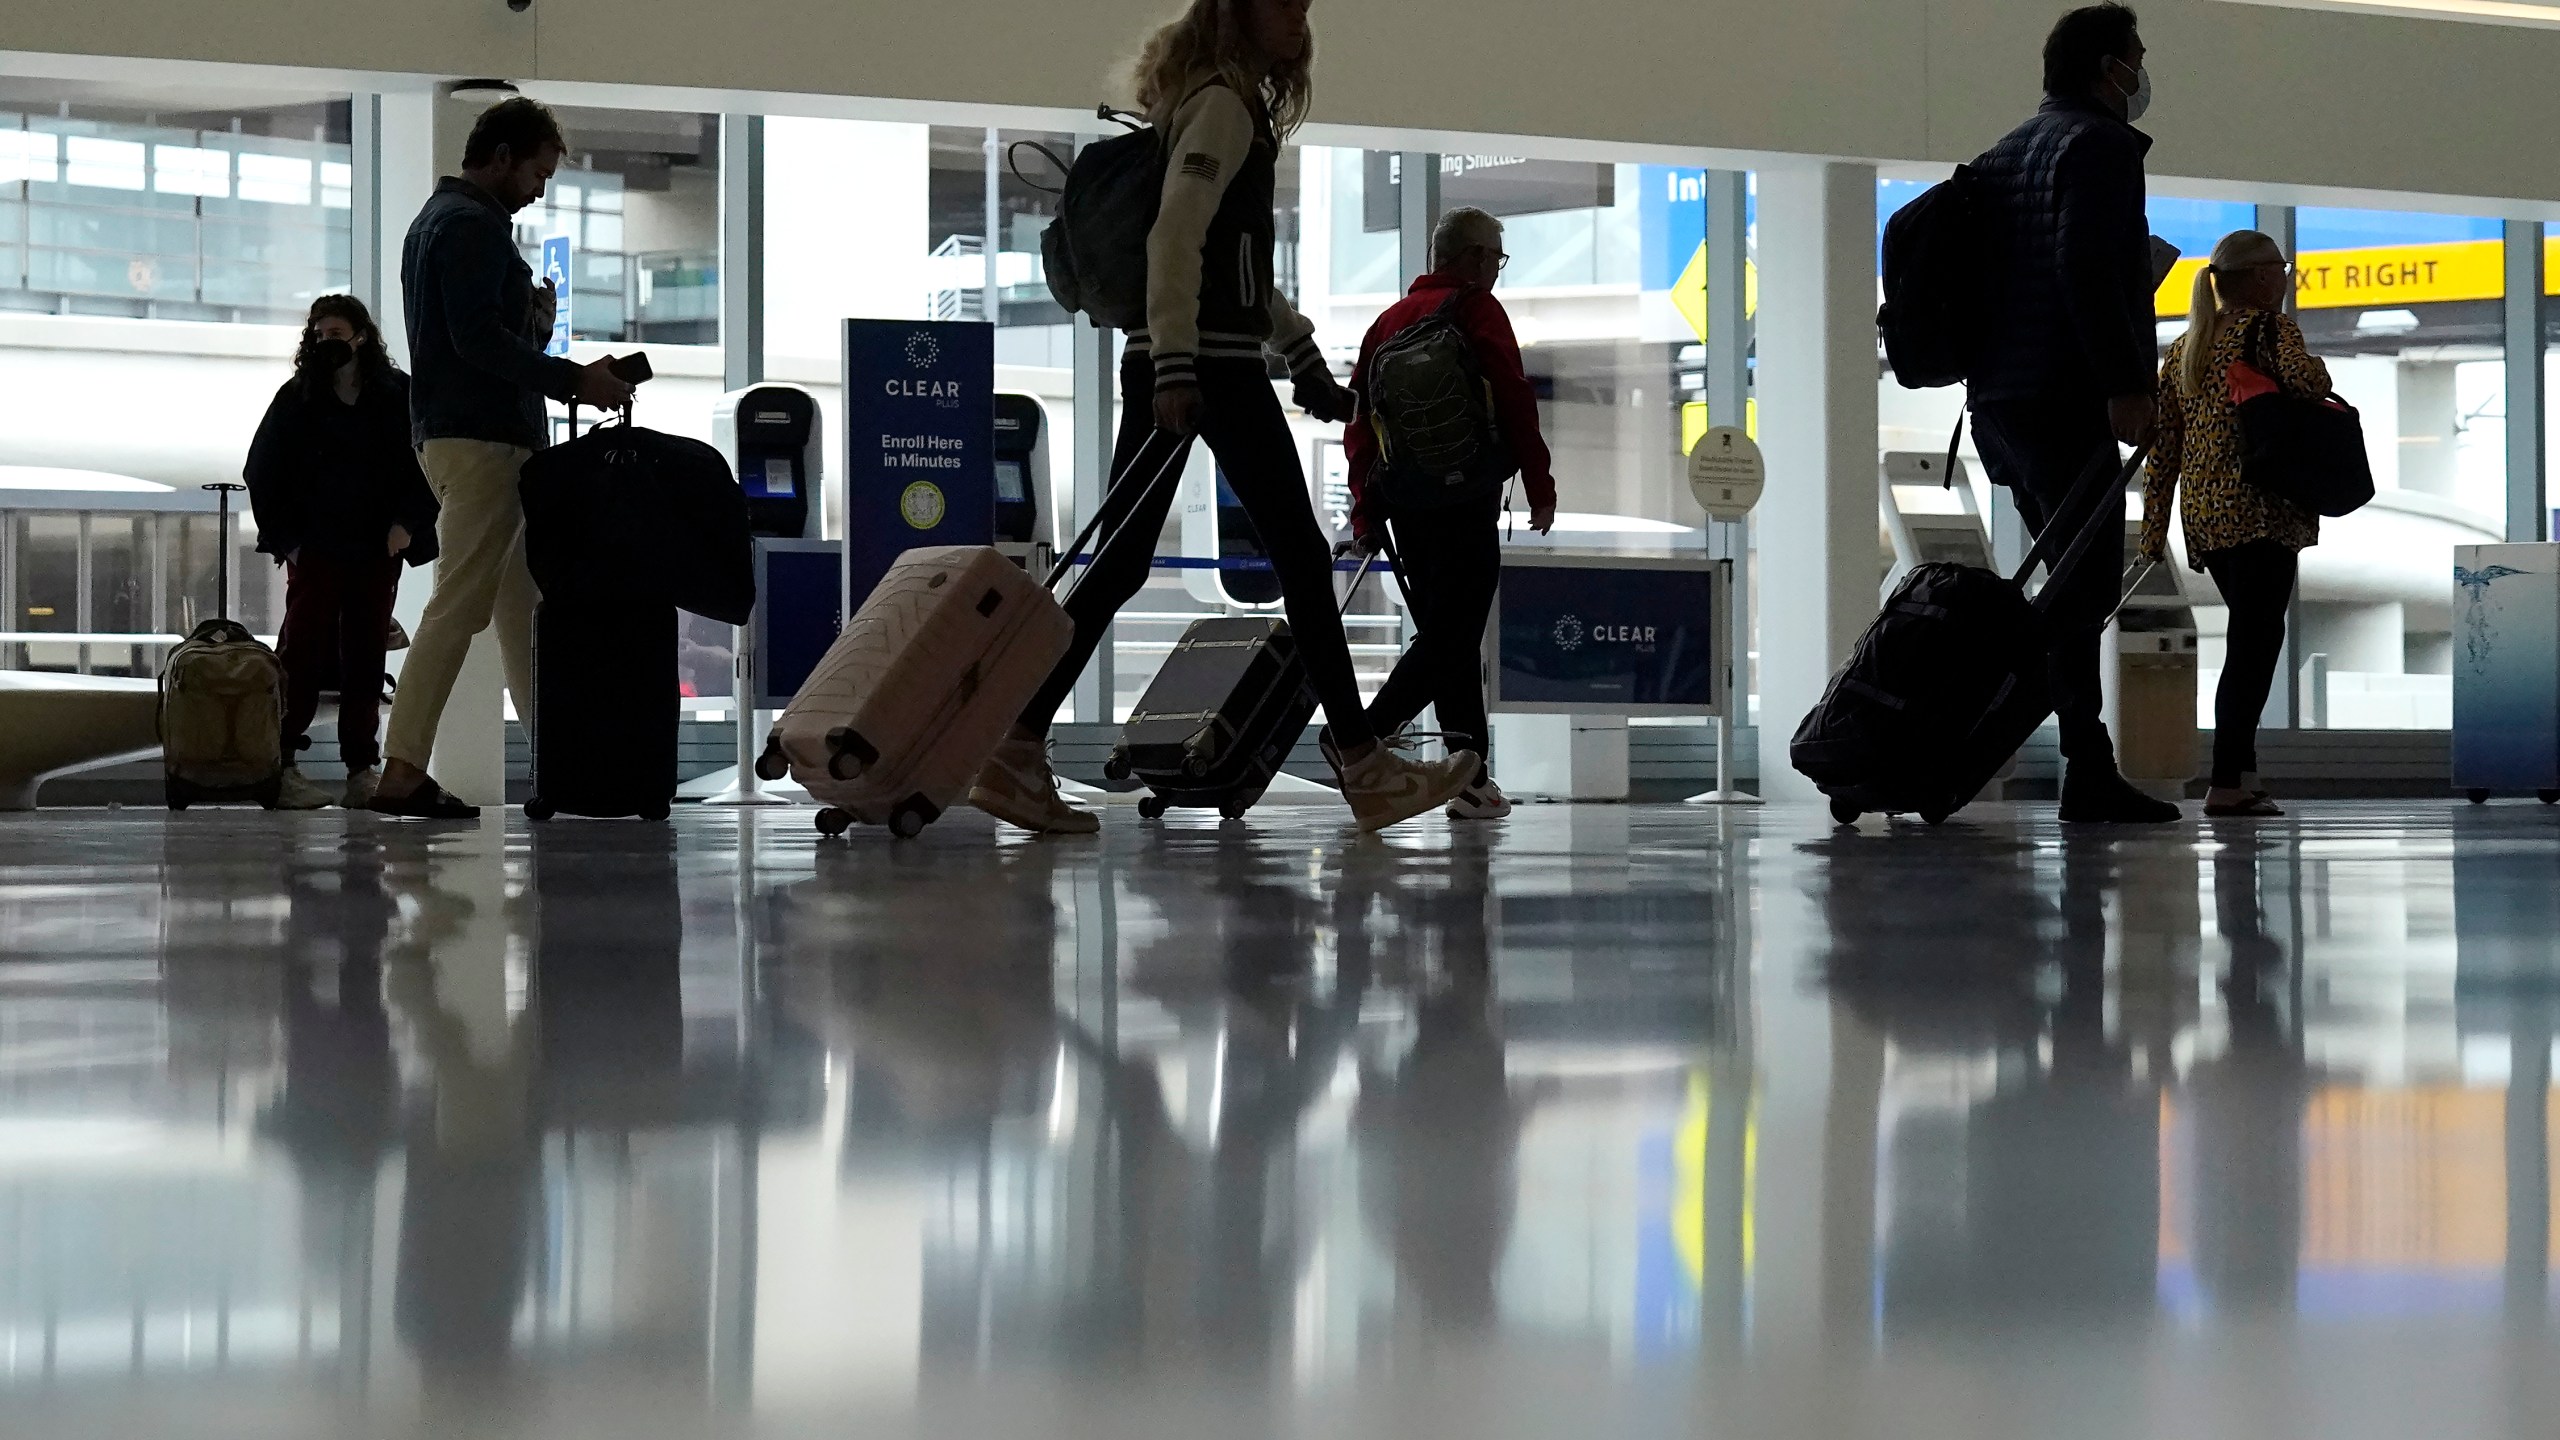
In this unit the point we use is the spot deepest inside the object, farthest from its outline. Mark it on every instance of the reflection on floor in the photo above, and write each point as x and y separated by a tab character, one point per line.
1606	1121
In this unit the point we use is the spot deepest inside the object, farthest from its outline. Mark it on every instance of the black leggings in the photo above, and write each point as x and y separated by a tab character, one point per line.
1452	562
2256	581
1242	421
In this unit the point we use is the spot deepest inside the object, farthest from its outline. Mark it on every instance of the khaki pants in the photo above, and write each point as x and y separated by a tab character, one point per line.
480	578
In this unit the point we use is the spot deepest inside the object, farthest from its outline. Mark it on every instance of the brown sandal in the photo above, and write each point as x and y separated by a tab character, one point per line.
2258	806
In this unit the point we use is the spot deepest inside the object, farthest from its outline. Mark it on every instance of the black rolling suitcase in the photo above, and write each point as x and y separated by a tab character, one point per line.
623	526
1221	716
605	722
1949	680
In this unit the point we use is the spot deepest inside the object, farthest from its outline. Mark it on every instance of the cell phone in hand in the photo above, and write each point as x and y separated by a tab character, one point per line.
634	368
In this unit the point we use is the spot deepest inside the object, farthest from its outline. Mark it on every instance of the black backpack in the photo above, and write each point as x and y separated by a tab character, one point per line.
1433	415
1095	252
1932	259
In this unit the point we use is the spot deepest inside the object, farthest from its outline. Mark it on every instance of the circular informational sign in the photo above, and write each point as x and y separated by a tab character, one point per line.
1726	473
921	505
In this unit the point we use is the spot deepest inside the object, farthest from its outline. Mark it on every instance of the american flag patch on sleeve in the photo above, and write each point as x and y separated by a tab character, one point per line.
1200	165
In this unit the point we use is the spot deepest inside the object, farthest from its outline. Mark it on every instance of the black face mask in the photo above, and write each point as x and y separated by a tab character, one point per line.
330	356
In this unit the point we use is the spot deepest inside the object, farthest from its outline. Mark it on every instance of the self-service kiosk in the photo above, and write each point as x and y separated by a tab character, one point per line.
1931	536
774	438
1024	527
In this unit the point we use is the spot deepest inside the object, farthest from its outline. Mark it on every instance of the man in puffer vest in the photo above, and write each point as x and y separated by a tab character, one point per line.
2068	358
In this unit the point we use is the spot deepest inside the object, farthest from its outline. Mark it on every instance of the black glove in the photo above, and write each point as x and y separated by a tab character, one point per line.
1320	395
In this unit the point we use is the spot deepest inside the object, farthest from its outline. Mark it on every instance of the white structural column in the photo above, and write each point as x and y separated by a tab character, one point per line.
421	138
741	251
1817	393
2527	494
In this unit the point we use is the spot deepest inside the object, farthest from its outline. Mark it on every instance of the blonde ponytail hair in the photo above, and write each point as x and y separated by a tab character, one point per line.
2239	250
1208	41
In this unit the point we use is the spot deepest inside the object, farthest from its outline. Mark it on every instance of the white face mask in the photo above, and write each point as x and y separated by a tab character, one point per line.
2138	99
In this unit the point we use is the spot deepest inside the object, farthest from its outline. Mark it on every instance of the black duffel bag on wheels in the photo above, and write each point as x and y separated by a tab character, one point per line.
1949	680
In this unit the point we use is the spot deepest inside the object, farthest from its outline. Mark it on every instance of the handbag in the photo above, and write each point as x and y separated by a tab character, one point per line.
2306	450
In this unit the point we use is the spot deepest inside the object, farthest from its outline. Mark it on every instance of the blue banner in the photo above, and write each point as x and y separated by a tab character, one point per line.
919	443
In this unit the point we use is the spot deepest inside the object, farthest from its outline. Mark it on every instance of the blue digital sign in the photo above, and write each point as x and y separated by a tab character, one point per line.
802	590
1607	638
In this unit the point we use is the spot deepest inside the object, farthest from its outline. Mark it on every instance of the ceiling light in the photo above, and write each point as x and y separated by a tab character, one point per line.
482	92
2495	12
2387	322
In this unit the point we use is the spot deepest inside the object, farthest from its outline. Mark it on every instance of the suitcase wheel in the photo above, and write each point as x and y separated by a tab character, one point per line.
2478	797
2547	797
771	765
1199	754
1234	806
657	810
1117	767
180	793
1934	817
538	810
269	794
1152	808
842	745
912	815
1844	812
833	822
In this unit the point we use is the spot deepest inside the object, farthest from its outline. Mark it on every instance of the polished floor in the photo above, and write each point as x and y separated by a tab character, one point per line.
1607	1121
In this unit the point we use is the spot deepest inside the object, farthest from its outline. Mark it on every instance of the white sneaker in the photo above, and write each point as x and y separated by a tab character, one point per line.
360	787
1480	802
298	793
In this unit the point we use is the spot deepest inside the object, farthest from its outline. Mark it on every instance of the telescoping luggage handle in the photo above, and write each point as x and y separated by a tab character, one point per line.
222	491
1166	472
2088	500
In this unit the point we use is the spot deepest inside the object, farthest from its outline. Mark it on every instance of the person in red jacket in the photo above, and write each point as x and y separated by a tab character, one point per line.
1452	554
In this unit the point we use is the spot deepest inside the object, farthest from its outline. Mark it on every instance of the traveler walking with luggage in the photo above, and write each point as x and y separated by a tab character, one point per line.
477	326
1449	335
341	503
1224	85
2249	541
2063	368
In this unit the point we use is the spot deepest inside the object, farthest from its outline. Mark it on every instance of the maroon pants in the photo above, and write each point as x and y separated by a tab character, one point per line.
337	612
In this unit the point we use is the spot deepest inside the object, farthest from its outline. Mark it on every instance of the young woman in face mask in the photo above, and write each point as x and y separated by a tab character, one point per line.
341	503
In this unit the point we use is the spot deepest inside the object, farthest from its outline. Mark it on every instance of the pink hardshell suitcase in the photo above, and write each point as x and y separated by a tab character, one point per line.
894	725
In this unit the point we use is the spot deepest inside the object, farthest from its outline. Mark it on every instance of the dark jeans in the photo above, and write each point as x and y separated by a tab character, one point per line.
2040	449
2256	581
1452	562
1246	430
337	612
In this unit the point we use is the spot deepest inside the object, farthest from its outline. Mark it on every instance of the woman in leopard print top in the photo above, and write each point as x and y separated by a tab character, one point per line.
2248	540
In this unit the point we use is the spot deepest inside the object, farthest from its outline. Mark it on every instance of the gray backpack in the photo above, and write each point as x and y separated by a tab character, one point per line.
1432	412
